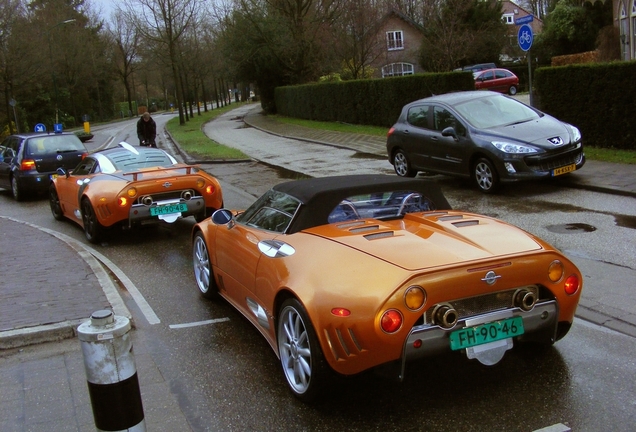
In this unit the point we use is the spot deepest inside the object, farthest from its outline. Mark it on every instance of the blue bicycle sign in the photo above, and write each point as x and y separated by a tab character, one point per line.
525	37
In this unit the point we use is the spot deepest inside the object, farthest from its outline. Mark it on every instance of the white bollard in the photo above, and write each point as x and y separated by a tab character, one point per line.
111	373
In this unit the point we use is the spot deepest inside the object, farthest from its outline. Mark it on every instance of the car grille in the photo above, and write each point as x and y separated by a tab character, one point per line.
547	163
162	196
471	306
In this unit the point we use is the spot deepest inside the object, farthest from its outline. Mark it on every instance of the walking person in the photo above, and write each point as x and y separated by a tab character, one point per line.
146	130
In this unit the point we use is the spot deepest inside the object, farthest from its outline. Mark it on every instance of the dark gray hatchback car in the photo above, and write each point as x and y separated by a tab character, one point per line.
27	161
482	135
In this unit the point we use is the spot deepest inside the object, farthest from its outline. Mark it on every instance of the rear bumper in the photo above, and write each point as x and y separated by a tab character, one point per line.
540	324
34	182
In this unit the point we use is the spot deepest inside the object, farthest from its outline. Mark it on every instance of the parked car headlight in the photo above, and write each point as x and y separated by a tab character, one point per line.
575	133
507	147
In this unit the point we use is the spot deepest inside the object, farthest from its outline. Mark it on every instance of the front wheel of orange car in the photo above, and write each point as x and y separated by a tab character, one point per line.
93	230
300	354
202	267
54	202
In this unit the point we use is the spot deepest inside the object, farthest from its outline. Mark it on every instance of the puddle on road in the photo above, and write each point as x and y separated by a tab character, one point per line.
359	155
571	228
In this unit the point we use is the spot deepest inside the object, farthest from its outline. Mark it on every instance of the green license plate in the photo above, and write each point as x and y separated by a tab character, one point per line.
563	170
485	333
168	209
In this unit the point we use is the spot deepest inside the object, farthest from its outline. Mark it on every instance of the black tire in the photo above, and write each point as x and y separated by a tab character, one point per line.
16	190
485	176
93	230
301	357
402	165
54	202
512	90
203	268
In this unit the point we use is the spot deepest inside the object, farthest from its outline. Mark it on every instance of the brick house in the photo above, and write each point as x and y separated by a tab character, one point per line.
403	38
624	14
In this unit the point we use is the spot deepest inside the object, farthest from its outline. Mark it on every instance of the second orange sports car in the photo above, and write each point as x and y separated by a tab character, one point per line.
131	185
352	272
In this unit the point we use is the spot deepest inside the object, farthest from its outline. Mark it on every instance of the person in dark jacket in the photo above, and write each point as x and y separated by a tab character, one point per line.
146	130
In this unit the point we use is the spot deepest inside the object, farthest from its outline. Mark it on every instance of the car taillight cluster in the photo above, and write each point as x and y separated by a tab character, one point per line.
27	165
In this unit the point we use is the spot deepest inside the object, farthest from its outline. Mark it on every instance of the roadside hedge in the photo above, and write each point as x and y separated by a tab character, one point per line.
598	98
375	102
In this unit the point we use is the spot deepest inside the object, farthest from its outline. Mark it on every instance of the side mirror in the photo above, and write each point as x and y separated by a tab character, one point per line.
62	172
222	217
450	131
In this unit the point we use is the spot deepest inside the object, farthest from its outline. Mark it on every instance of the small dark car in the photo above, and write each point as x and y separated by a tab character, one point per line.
27	161
486	136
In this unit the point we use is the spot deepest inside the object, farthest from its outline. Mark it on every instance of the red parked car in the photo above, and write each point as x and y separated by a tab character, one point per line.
499	80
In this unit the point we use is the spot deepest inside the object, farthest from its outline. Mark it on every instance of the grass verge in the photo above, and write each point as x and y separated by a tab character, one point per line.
194	142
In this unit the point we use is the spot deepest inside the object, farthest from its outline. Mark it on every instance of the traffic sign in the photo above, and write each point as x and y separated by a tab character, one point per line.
58	127
525	37
39	128
524	20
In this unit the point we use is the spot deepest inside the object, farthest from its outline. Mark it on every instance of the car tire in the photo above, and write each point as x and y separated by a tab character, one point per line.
203	268
54	202
512	90
16	190
402	165
301	358
93	230
485	176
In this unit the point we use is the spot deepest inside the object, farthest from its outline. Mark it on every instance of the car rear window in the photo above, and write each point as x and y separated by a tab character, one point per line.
380	206
129	161
54	144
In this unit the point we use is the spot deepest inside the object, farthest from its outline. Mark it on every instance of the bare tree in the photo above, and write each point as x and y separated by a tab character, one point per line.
164	22
11	12
125	38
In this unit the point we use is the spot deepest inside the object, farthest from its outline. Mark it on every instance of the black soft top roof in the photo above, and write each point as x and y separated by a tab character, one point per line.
321	195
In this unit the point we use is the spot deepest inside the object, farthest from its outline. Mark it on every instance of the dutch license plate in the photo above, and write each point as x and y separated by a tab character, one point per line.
167	209
563	170
485	333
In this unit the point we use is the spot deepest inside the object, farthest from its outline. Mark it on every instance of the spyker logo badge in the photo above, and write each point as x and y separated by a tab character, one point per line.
59	157
167	185
491	277
556	141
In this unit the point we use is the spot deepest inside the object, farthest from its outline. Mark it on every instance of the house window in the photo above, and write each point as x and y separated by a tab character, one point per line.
508	19
394	40
397	69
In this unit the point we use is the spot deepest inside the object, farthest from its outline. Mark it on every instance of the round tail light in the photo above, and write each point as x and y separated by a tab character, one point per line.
571	285
391	321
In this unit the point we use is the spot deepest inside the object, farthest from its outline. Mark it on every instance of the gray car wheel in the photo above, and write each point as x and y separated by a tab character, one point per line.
299	350
16	191
402	165
202	267
485	176
512	90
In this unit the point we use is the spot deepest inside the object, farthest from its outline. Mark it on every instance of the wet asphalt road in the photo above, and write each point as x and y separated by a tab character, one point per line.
227	378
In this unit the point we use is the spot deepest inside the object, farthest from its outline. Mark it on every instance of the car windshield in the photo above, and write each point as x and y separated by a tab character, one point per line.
380	206
495	111
272	212
54	144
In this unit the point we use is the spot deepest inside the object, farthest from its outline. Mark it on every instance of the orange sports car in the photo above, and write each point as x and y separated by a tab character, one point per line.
352	272
128	185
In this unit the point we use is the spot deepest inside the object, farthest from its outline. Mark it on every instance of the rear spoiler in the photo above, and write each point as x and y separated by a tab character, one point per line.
189	169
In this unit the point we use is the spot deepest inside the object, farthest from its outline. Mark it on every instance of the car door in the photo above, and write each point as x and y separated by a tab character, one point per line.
485	80
417	136
69	188
450	153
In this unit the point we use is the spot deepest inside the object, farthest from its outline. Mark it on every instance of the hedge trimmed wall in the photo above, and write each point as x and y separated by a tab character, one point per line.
597	98
376	102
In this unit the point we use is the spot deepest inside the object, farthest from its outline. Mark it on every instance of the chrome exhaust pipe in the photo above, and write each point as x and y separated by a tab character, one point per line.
525	299
186	195
147	200
445	316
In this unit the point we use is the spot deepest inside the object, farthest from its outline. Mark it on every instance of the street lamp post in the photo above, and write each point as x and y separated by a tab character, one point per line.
51	60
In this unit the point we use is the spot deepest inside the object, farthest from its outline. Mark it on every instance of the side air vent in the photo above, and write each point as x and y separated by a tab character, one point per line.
450	218
466	223
365	229
379	235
